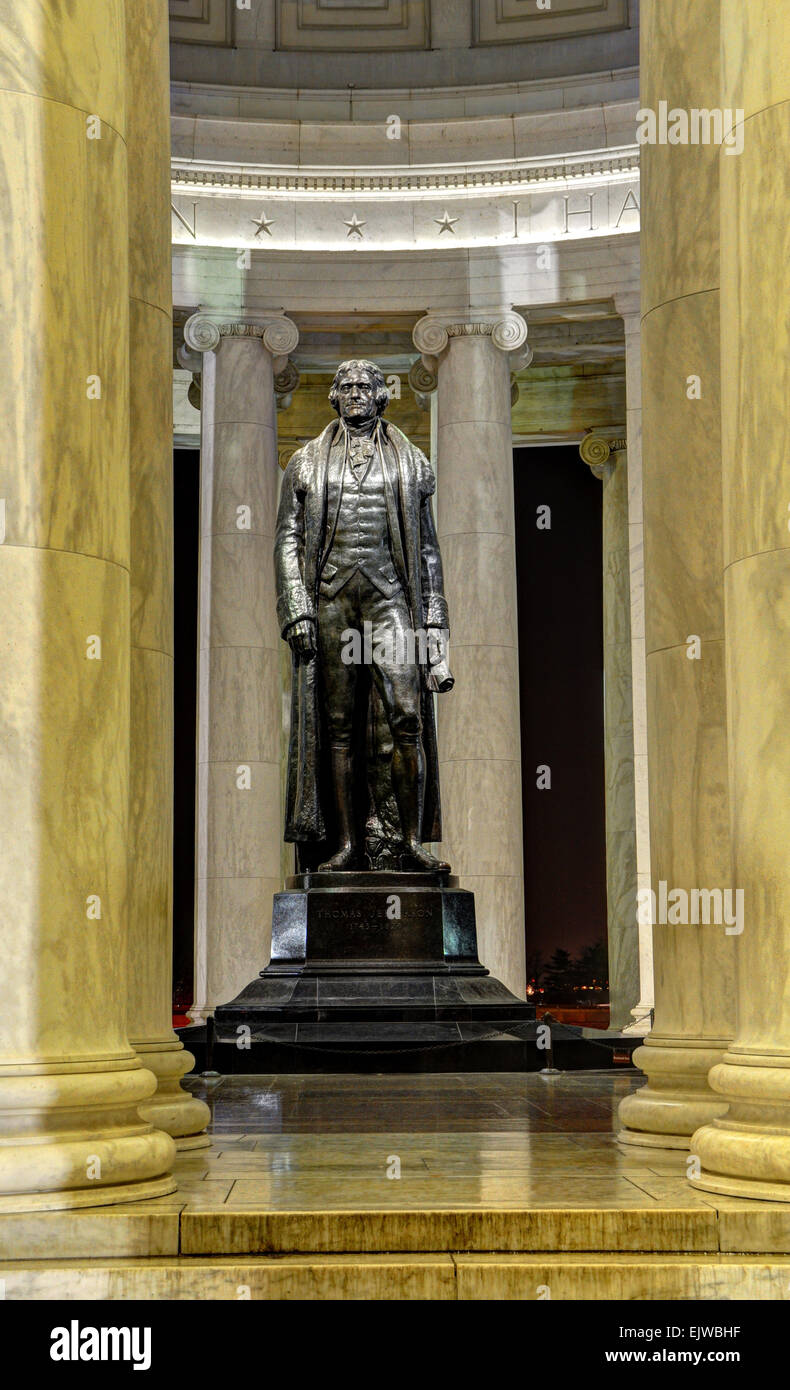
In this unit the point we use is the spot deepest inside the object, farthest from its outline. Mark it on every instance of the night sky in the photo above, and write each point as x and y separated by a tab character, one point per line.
561	669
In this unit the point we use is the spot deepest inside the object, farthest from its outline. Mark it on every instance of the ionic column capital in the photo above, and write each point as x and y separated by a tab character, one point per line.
204	331
286	381
596	450
628	304
506	329
422	377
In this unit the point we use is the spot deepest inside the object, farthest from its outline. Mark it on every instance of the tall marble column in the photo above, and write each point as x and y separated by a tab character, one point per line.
478	722
150	953
684	613
607	460
747	1151
627	305
239	794
70	1084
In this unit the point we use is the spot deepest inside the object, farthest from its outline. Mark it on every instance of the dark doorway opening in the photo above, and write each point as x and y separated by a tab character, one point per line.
560	621
186	540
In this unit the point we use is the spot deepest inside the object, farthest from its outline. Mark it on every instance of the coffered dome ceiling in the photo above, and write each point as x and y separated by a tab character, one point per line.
403	43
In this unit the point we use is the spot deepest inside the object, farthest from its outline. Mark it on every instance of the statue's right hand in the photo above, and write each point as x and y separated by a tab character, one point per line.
301	639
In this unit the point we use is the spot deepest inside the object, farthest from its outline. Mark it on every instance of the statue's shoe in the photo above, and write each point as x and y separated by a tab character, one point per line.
417	859
346	858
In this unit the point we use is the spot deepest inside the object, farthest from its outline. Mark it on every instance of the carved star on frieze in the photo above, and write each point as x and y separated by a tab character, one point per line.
354	225
263	223
446	223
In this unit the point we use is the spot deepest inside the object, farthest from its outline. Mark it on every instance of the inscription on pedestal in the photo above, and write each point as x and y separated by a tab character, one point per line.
364	926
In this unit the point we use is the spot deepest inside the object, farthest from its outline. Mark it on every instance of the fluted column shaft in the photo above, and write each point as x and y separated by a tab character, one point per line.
608	461
70	1084
478	723
747	1151
150	955
240	718
684	617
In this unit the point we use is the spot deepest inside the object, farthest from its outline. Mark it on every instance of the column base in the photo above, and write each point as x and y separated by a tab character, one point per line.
102	1197
71	1136
201	1013
677	1099
746	1153
643	1140
185	1142
179	1114
641	1023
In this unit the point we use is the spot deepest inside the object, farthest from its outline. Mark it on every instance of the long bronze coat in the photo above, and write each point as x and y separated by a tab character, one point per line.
299	552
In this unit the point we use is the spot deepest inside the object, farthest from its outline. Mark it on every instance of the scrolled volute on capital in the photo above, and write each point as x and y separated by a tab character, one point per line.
201	334
422	379
509	333
430	336
281	337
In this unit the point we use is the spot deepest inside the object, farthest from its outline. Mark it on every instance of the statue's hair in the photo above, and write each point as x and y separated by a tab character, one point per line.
376	376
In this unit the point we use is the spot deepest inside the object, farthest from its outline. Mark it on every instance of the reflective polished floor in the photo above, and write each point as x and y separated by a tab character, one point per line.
358	1142
419	1186
410	1141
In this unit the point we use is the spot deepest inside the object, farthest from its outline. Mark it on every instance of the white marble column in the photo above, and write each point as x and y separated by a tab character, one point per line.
239	797
627	305
478	721
70	1084
608	461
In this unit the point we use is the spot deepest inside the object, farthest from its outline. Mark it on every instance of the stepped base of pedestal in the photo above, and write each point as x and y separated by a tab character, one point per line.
383	1017
462	1050
377	967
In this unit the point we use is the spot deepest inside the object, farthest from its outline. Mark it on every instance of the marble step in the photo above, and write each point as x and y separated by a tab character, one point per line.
210	1227
434	1276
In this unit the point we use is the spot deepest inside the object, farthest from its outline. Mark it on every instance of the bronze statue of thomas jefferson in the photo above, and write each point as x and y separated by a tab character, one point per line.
356	554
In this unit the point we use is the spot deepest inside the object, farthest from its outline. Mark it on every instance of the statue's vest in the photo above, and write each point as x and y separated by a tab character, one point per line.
360	539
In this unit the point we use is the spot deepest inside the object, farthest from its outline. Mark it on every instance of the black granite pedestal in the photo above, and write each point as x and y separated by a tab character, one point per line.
374	971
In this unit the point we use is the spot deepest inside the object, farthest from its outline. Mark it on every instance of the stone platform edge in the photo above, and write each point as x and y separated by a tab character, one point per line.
146	1230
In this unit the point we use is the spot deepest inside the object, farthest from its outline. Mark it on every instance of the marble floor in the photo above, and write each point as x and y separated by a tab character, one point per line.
434	1141
411	1186
524	1103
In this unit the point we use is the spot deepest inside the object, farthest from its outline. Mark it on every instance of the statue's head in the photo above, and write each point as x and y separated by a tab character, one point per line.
358	392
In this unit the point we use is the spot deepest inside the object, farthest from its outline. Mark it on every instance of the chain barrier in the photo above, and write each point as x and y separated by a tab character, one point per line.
563	1031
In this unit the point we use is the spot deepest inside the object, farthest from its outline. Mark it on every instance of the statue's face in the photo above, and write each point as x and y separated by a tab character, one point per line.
356	396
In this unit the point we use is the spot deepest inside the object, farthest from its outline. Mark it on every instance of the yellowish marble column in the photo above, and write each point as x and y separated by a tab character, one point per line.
70	1084
608	461
240	701
478	721
150	950
689	834
746	1152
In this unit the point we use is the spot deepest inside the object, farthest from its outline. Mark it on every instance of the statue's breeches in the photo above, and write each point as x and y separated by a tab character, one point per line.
386	641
